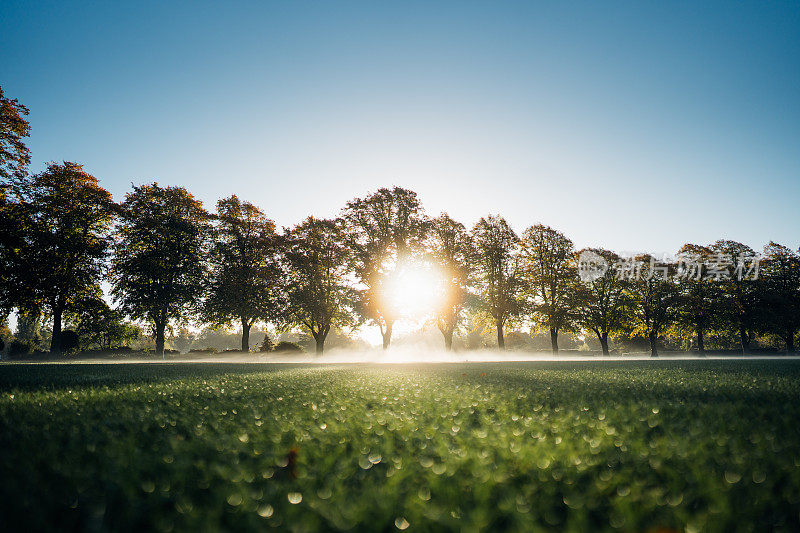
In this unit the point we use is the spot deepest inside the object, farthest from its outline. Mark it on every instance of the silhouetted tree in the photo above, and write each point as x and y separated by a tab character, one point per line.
699	305
15	231
498	272
655	298
603	304
245	276
98	325
319	297
384	230
158	268
551	277
450	247
14	160
780	292
69	217
739	294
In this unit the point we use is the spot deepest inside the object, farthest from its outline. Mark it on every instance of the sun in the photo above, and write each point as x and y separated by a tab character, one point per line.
414	290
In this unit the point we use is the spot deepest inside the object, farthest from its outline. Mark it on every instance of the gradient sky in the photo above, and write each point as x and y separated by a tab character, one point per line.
633	126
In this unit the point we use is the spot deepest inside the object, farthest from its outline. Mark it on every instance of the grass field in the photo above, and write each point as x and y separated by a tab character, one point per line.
629	446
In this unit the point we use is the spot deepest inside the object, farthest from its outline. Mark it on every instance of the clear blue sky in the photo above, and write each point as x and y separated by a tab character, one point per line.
634	126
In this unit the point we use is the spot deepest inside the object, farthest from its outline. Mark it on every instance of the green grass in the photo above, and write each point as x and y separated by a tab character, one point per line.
630	446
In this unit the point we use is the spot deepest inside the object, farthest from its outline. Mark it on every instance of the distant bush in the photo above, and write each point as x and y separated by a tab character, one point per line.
286	346
69	341
19	349
207	349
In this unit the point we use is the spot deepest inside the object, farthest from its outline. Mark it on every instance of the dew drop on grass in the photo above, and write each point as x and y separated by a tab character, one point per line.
235	500
732	477
401	523
148	486
759	477
294	497
265	511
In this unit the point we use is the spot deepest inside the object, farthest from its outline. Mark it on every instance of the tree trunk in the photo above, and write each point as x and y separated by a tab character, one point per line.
554	340
55	340
653	341
501	340
387	335
319	338
160	326
448	339
789	338
701	347
604	342
245	335
745	337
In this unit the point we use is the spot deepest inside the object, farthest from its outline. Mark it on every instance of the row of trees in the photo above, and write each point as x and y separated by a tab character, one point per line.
168	260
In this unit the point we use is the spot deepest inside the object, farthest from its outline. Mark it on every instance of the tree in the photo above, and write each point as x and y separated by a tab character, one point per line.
245	273
739	294
98	325
69	218
603	302
383	230
15	230
498	272
450	248
319	297
780	292
14	160
552	278
14	155
158	268
699	293
655	298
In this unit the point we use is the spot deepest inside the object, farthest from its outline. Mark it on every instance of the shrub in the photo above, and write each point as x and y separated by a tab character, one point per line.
266	345
19	349
69	341
286	346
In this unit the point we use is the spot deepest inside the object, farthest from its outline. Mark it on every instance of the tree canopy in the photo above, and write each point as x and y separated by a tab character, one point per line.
159	264
245	278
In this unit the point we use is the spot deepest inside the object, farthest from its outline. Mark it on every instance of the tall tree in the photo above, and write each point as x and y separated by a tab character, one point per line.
319	297
699	306
739	287
384	230
158	268
655	298
15	232
552	278
14	154
498	272
245	275
451	249
603	302
14	160
780	292
69	217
